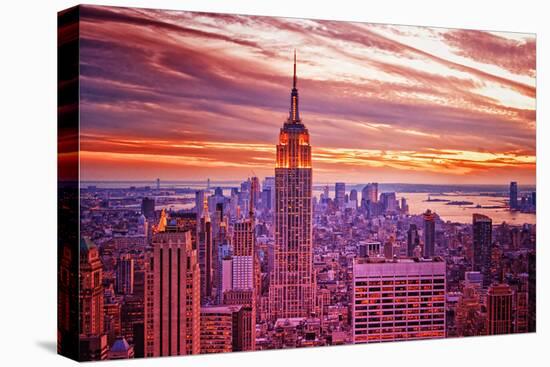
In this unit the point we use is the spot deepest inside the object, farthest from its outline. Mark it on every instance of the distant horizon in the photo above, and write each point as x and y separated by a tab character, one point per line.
213	181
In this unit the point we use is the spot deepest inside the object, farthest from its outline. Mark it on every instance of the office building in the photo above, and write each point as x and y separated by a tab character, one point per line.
125	274
93	340
339	194
482	227
172	306
514	196
499	309
413	239
401	299
429	233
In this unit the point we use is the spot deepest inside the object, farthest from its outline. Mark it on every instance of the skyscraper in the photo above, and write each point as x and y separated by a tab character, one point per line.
125	274
369	199
482	227
404	206
240	290
353	195
389	202
402	299
291	285
413	239
339	194
148	207
429	233
91	289
243	254
513	195
205	248
172	306
93	341
499	309
199	204
353	199
370	193
269	185
254	192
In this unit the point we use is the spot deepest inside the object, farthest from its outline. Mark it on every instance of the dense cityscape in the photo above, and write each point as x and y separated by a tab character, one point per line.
272	264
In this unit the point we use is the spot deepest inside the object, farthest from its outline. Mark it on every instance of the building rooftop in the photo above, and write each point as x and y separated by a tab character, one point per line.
220	309
397	260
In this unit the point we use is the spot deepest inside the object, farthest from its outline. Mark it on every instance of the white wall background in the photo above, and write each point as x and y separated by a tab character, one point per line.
28	181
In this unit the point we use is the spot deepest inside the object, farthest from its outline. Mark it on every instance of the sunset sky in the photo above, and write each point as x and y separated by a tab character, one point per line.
186	96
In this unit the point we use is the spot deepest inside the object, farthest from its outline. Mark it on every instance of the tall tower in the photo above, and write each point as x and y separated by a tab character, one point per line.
93	340
291	283
412	239
513	195
206	253
172	301
339	194
482	227
125	274
429	233
91	289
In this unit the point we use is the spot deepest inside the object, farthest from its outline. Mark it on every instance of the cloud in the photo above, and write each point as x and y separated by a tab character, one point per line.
516	56
154	81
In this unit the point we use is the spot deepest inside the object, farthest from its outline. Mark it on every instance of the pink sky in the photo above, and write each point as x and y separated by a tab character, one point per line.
186	96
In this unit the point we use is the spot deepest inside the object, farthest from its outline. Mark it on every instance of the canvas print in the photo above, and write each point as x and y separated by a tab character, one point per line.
243	183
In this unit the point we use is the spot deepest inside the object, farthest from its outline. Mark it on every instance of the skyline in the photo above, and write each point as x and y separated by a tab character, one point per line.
277	263
163	113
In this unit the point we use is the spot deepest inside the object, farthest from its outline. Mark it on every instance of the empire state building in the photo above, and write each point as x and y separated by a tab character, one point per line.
291	283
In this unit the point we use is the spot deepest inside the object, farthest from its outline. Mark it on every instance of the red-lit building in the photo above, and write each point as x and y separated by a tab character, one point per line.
499	309
396	300
93	340
291	292
172	316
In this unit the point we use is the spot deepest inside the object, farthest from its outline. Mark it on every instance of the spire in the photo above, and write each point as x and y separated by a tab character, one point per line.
294	113
294	80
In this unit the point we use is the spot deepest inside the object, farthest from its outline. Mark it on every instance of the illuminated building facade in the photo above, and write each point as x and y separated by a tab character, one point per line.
172	317
246	325
396	300
93	340
91	289
205	247
243	255
221	329
499	309
291	283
